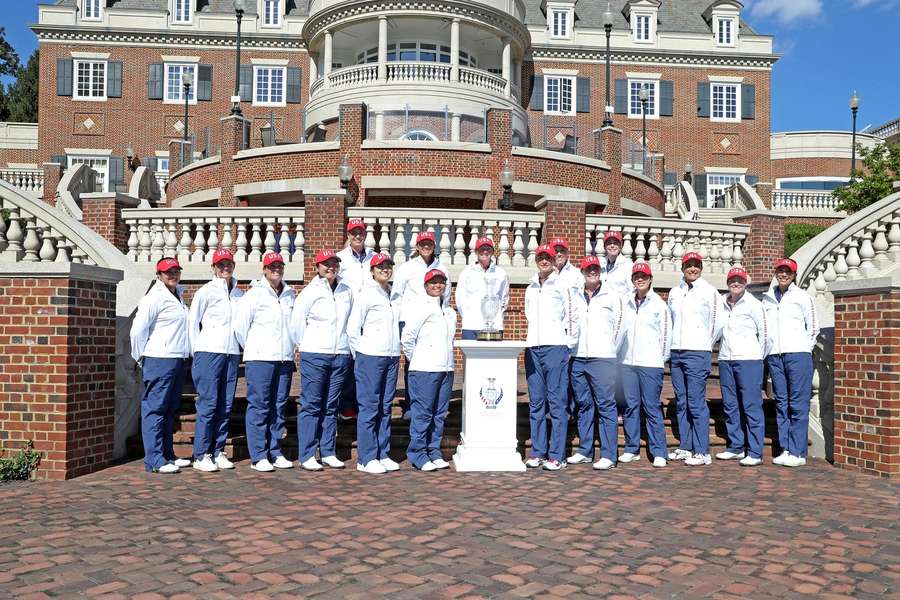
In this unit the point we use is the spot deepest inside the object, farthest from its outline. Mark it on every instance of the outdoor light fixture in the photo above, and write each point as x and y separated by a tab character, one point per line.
854	108
644	96
129	154
688	173
607	25
345	172
239	6
507	177
186	80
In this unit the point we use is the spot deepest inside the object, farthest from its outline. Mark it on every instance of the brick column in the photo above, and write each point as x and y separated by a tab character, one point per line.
659	169
499	132
867	375
765	193
233	127
351	130
52	175
58	387
564	219
611	152
323	226
102	212
175	155
764	245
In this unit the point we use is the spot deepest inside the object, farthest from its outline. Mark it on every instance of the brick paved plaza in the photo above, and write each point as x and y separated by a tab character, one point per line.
638	532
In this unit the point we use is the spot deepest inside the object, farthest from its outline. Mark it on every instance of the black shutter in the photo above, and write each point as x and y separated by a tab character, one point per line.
751	179
583	94
621	97
294	88
63	76
116	174
670	179
114	79
666	98
537	93
246	83
748	101
702	100
61	160
150	163
155	82
700	188
204	82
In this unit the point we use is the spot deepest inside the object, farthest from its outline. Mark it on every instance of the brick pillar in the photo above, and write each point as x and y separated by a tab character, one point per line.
659	169
323	226
765	193
175	155
764	245
867	375
499	131
58	388
564	219
611	153
102	212
52	175
233	128
351	130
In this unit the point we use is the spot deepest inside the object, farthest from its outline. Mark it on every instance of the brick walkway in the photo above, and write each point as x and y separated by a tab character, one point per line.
716	532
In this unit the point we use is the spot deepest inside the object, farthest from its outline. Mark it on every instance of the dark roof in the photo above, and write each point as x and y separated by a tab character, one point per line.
294	7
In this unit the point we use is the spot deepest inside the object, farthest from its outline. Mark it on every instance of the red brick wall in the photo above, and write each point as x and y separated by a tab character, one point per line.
635	188
324	228
566	220
19	155
810	221
52	175
867	383
104	215
808	167
763	246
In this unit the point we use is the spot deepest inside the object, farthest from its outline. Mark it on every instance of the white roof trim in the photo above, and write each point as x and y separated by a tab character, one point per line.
631	75
169	58
90	55
559	71
725	79
88	151
270	62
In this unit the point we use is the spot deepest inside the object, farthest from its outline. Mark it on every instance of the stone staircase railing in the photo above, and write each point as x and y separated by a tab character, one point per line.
683	201
742	197
807	201
79	179
30	180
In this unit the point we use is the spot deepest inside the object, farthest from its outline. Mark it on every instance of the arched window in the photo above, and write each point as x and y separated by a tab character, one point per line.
419	135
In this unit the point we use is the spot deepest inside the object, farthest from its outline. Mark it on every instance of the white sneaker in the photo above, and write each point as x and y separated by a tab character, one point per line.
577	459
440	463
603	464
206	464
429	466
222	461
554	465
311	464
389	465
167	468
794	461
729	455
333	462
659	461
749	461
534	462
628	457
679	454
263	466
283	463
182	462
698	460
779	460
373	466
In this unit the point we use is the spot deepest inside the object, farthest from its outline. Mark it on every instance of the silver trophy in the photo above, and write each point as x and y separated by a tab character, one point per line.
490	308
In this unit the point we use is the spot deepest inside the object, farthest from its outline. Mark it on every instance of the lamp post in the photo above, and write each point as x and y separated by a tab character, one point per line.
507	177
689	173
129	154
644	96
345	172
854	108
186	81
607	25
236	98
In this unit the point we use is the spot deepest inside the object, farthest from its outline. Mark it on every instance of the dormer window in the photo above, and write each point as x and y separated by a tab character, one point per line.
642	15
271	13
724	18
559	23
641	28
560	18
725	28
91	10
182	11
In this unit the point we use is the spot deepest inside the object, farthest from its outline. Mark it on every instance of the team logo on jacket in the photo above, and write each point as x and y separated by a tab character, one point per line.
490	395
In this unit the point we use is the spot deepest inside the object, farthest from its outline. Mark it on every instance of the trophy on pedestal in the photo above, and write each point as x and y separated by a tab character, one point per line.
490	307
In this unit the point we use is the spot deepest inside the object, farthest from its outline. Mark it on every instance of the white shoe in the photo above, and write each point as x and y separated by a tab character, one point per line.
794	461
206	464
283	463
628	457
729	455
749	461
534	462
577	459
440	463
311	464
389	465
429	466
698	460
373	466
182	462
603	464
779	460
679	454
333	462
263	466
659	461
167	468
222	461
554	465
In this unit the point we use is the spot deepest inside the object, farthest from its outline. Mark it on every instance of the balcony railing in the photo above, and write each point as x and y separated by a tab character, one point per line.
29	180
812	201
482	79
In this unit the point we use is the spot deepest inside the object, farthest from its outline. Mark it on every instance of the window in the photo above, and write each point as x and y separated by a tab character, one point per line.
98	163
725	33
174	87
271	13
162	165
90	80
717	183
419	135
634	98
808	184
90	10
559	23
559	95
416	51
268	86
642	30
181	11
725	102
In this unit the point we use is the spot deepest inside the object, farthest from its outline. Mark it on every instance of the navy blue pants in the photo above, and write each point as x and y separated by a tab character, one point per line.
322	383
163	380
376	385
741	382
594	382
547	373
215	379
430	401
348	401
791	374
642	387
268	386
690	370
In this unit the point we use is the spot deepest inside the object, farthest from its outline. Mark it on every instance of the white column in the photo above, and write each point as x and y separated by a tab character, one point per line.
326	63
313	71
507	66
454	50
379	124
454	127
382	49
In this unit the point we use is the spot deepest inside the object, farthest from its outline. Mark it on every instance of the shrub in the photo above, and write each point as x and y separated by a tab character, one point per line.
20	466
797	234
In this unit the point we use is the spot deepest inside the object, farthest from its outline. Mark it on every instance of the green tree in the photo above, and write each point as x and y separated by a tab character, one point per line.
9	60
22	96
881	167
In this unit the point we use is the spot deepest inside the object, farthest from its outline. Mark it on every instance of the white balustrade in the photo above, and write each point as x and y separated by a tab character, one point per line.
30	180
684	202
810	201
355	75
482	79
424	72
412	72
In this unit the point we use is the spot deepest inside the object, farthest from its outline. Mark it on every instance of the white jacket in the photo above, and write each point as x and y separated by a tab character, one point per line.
262	322
793	322
427	337
355	272
648	332
409	284
601	324
474	284
160	326
571	277
696	315
744	333
551	310
373	327
210	317
618	277
319	320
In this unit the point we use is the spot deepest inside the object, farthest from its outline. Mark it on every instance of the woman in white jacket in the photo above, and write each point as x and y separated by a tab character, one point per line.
484	278
427	342
793	329
648	338
374	337
319	328
215	365
262	328
160	344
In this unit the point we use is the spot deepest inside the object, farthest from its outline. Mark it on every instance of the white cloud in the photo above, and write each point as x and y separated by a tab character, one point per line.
886	4
790	11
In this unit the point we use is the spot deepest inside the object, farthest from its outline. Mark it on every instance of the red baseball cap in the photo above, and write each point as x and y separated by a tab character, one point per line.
692	256
222	254
559	242
589	261
355	224
484	241
272	258
433	274
738	271
323	255
642	267
165	264
380	259
614	235
787	262
425	235
545	249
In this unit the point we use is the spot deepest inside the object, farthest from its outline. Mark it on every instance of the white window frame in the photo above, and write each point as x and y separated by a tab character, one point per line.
90	97
737	102
636	18
732	31
159	164
652	109
264	15
91	160
192	99
415	135
271	68
562	17
87	14
186	5
720	186
574	94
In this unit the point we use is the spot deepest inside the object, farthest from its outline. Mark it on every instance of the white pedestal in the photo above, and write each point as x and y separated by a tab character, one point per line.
490	382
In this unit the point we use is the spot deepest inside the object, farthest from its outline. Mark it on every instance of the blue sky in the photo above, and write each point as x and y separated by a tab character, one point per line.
829	48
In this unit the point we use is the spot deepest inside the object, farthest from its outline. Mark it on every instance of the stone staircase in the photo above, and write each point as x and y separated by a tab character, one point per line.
718	215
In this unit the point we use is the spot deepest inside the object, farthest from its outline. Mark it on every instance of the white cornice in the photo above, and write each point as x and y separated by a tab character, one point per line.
91	55
170	58
651	57
725	79
169	39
